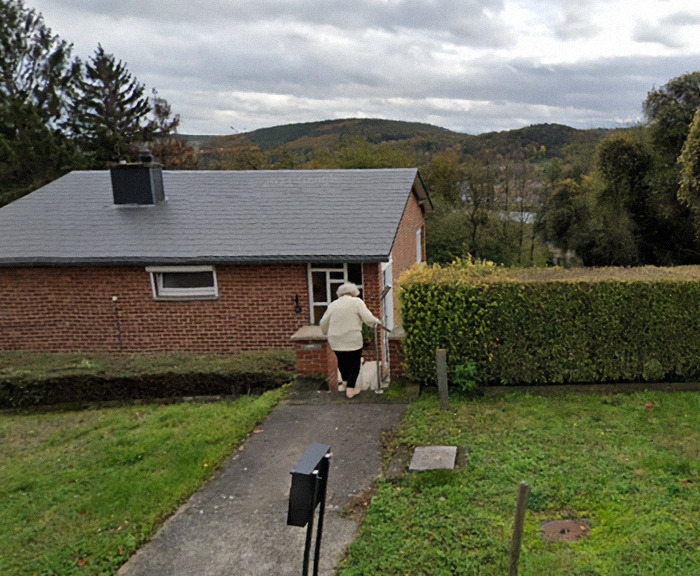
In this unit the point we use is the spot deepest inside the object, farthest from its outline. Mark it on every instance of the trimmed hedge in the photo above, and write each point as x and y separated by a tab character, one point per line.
552	326
32	379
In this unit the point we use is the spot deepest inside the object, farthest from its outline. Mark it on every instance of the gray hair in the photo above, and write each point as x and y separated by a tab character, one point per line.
348	288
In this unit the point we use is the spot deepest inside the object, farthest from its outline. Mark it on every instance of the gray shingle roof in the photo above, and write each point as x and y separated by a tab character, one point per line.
212	217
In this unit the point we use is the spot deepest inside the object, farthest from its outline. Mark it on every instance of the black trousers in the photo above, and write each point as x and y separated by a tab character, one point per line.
349	364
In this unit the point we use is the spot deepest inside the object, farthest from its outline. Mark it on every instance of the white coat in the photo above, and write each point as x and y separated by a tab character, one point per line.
342	323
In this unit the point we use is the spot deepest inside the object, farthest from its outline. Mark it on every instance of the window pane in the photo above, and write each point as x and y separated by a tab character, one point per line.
319	311
337	275
188	279
355	274
318	280
334	289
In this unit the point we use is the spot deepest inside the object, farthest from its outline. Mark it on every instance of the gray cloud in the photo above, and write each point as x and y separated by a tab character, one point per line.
475	21
576	22
681	19
448	62
655	34
667	32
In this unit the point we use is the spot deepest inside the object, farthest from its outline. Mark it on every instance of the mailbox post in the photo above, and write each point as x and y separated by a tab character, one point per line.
309	481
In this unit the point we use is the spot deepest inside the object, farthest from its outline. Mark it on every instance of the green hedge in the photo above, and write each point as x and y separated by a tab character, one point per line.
551	326
31	379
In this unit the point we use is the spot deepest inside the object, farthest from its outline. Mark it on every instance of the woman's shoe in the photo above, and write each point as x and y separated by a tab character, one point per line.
351	392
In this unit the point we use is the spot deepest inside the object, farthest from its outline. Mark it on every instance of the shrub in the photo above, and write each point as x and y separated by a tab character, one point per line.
30	379
540	326
465	378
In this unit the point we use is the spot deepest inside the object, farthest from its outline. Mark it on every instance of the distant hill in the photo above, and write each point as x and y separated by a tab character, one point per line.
554	138
425	140
373	130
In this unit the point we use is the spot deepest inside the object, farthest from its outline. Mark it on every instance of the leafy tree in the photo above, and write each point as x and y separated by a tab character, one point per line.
624	162
443	177
355	152
670	111
240	154
479	194
108	118
689	160
445	237
173	152
567	216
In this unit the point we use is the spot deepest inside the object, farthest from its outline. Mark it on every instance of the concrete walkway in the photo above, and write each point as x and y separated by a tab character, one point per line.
237	523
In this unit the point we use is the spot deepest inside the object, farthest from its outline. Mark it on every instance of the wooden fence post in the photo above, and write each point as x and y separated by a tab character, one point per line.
518	529
441	361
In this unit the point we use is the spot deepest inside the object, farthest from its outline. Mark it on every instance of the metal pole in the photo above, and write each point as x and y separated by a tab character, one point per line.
321	512
379	362
518	529
441	361
310	528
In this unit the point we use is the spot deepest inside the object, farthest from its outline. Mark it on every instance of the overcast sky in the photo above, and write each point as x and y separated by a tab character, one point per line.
471	66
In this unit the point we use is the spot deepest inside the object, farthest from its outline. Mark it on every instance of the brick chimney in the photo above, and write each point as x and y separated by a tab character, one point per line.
140	183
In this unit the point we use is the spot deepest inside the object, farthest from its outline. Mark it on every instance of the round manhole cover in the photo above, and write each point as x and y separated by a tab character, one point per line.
565	530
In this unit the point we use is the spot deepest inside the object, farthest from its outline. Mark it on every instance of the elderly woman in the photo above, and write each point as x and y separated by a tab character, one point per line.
342	324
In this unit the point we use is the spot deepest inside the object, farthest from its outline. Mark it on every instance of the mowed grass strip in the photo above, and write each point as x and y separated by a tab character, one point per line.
625	464
81	491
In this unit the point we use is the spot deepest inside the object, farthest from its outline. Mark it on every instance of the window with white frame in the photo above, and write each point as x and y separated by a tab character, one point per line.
324	280
183	282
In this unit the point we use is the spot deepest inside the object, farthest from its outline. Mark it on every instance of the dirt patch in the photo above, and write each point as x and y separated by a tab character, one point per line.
356	510
400	460
565	530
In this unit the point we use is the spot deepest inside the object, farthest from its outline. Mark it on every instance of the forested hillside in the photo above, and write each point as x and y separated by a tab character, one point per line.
307	142
489	190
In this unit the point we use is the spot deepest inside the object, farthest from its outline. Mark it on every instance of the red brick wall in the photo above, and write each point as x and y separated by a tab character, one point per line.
372	286
404	252
72	309
314	358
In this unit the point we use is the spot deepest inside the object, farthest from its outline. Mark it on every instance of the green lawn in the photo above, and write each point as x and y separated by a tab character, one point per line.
626	463
81	491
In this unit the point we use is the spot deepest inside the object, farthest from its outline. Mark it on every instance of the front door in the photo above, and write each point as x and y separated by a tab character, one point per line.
387	312
324	279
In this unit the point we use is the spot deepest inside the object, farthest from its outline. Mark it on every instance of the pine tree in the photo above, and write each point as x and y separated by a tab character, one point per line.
108	117
38	79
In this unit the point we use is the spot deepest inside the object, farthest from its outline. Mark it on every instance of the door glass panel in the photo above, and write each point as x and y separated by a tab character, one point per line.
319	311
326	278
334	290
318	280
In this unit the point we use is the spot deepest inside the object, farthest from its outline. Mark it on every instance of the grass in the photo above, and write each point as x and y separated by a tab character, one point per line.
626	463
82	490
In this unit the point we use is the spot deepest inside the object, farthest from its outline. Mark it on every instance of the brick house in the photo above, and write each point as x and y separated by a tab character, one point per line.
144	260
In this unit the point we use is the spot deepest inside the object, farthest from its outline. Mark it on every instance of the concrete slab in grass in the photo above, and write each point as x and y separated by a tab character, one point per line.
433	458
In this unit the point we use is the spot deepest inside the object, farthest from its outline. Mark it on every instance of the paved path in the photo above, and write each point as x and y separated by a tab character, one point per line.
237	523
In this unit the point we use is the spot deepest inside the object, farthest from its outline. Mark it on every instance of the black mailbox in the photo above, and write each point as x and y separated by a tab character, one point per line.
309	478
